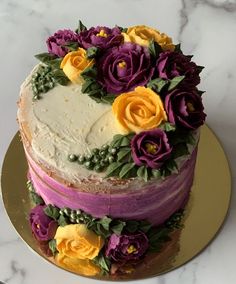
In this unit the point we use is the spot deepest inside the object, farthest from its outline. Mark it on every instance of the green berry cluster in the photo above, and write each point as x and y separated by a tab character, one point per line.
42	81
98	160
74	216
174	222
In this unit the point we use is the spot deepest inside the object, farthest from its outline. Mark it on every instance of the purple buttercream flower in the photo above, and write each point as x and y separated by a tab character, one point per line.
122	248
123	68
151	148
102	37
43	227
56	43
172	64
185	108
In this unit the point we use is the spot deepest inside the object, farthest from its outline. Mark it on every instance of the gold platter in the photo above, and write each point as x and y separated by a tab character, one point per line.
206	209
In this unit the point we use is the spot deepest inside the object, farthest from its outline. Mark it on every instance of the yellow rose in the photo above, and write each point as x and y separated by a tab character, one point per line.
74	63
143	35
77	246
81	266
138	110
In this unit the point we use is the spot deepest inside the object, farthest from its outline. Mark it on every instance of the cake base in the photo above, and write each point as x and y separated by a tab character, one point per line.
205	212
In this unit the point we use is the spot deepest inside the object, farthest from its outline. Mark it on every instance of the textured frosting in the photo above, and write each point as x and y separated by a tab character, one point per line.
155	202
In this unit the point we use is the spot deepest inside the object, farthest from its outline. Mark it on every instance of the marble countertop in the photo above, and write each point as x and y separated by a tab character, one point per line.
206	28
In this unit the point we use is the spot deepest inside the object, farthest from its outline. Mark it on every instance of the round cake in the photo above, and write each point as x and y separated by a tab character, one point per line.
110	122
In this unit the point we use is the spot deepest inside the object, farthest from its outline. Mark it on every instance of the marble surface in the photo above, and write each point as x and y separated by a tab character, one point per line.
206	28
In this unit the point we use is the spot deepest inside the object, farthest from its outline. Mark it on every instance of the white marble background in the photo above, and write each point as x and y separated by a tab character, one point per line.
206	28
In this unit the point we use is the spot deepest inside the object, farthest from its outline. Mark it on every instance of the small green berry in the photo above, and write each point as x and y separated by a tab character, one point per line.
113	150
105	147
72	158
96	159
102	153
98	168
78	212
67	211
95	151
81	159
111	159
88	157
89	165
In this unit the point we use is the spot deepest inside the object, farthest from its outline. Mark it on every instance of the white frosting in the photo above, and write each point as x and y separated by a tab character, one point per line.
66	121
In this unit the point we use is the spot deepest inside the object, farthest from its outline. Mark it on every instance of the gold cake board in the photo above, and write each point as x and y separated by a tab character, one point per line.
206	209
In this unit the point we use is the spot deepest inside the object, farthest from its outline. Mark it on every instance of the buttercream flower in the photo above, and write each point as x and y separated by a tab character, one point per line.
151	148
172	64
81	266
185	108
123	68
57	43
127	247
102	37
143	35
138	110
74	63
43	227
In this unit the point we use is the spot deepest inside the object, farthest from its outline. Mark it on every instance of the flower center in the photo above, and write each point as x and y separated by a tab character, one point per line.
131	249
151	148
190	107
102	33
122	64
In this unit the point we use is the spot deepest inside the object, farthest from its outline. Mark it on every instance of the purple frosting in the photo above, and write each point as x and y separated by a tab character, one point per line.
123	68
151	148
43	227
122	248
185	108
172	64
56	43
93	37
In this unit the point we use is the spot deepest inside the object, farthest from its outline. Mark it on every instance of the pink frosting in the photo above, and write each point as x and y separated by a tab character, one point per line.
156	202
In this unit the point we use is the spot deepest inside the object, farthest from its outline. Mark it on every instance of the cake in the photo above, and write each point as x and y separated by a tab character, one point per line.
110	122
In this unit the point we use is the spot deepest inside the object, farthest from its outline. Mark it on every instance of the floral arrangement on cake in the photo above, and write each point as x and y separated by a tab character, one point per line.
152	89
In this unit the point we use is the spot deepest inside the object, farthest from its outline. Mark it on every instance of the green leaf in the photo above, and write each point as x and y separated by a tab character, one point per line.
156	173
168	127
60	77
142	172
144	226
154	49
63	221
52	212
125	141
132	226
175	82
81	28
117	226
114	169
190	139
105	222
123	154
35	198
127	170
157	84
116	141
103	262
89	73
178	48
124	30
180	149
49	59
171	165
72	46
53	246
108	99
92	52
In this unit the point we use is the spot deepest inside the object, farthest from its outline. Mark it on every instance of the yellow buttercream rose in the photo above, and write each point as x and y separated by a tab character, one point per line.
138	110
74	63
81	266
77	246
143	35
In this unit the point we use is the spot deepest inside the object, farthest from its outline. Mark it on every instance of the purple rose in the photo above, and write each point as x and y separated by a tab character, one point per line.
185	108
150	148
56	43
101	37
172	64
43	227
122	248
123	68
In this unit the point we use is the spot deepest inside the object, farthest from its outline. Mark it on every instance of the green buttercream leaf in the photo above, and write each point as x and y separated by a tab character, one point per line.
142	172
52	212
171	165
36	199
81	28
154	49
180	149
123	154
128	170
117	226
92	52
178	48
175	82
108	99
132	226
156	173
103	262
156	237
144	226
157	84
167	127
190	139
200	93
49	59
114	169
72	46
53	246
89	73
105	222
60	77
125	142
63	221
165	172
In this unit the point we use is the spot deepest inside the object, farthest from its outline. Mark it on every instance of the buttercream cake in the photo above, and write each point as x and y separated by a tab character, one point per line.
110	122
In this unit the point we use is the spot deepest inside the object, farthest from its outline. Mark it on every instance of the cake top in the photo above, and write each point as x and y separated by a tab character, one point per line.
125	98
